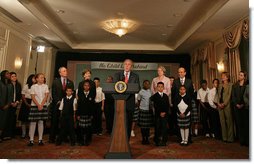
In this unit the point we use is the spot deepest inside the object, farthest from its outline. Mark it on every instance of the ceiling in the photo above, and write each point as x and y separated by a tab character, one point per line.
175	26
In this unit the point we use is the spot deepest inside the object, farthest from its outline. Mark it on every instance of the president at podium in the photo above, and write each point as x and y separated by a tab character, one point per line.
129	77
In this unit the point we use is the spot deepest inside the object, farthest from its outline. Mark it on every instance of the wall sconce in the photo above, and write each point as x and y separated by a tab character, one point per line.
18	62
220	66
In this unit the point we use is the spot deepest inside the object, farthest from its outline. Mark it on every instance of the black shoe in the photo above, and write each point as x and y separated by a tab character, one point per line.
31	143
157	144
40	143
72	143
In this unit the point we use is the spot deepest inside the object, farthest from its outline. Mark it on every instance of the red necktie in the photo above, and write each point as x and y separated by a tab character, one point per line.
126	79
64	84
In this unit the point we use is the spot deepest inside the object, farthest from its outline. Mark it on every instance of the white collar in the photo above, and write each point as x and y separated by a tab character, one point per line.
161	93
182	78
127	72
182	95
69	97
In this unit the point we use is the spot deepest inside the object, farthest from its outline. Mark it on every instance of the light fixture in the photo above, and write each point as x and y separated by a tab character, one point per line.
18	62
119	27
40	49
220	66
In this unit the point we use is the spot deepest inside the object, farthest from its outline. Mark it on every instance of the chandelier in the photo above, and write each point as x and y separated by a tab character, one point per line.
119	27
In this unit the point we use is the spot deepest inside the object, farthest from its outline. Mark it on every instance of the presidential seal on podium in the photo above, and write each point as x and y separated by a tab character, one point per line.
120	87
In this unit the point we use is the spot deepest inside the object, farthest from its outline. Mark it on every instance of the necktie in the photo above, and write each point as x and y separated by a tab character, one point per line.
64	84
182	81
126	79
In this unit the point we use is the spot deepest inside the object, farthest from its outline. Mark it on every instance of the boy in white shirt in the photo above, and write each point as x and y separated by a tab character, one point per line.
68	106
99	108
202	96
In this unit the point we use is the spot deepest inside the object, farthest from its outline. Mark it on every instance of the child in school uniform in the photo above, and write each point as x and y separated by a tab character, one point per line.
99	108
183	105
67	107
145	121
84	114
38	111
161	107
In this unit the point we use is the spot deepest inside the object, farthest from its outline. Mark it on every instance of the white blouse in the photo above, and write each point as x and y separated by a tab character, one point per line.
39	91
26	91
100	96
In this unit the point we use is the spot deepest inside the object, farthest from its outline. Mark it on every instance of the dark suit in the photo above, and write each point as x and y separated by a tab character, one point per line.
240	115
161	104
11	125
57	94
130	102
175	91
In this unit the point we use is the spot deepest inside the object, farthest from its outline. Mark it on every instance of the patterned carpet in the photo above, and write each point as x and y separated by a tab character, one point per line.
202	148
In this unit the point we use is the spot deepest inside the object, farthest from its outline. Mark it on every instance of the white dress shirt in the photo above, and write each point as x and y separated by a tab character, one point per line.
202	94
211	97
100	96
74	103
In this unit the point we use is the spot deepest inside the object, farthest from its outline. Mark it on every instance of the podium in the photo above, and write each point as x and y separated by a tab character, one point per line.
119	145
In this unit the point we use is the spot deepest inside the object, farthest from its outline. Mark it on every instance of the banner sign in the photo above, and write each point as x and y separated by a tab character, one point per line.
119	66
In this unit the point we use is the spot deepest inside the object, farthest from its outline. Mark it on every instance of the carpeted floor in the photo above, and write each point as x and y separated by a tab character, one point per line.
201	148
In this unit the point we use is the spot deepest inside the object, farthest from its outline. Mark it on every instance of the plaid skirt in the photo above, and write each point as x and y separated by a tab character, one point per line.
36	115
145	119
135	115
183	122
194	112
85	121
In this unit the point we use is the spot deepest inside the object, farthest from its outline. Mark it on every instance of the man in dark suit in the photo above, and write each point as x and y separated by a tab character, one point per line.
182	80
58	92
128	77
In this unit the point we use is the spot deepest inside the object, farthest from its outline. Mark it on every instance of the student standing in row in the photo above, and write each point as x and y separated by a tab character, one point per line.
99	108
67	107
26	103
5	100
16	90
38	112
145	120
202	96
84	114
215	118
182	80
183	104
161	105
